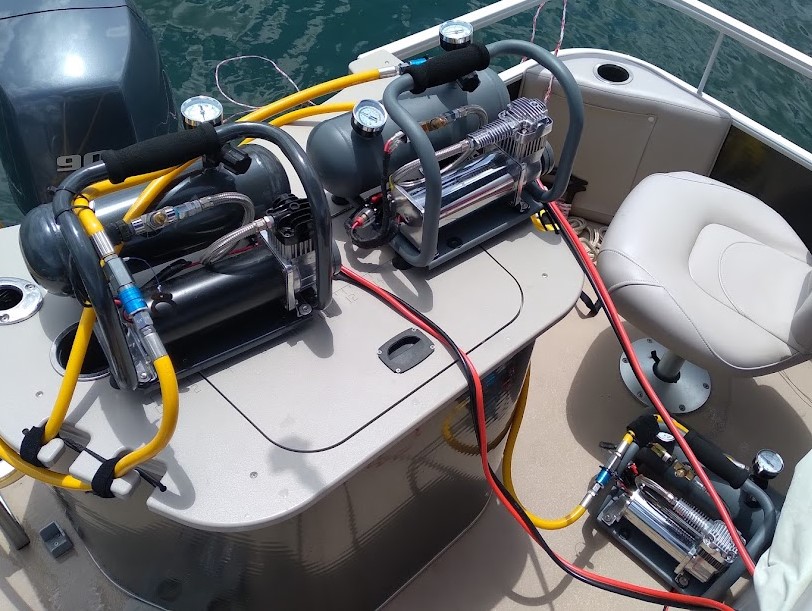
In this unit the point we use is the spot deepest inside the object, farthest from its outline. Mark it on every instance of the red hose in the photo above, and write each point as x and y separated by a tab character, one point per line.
626	343
483	451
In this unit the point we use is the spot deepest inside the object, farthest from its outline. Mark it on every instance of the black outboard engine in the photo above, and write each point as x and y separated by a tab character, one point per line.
76	77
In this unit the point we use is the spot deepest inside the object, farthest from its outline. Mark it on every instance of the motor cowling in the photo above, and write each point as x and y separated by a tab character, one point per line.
74	82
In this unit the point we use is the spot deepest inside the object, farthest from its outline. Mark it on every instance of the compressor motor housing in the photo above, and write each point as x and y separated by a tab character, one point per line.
95	81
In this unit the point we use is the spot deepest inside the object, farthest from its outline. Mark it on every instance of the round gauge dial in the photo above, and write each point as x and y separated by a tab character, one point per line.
369	117
455	34
201	109
663	437
768	463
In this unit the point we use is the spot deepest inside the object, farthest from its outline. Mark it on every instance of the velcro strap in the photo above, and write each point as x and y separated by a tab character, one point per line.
103	479
31	445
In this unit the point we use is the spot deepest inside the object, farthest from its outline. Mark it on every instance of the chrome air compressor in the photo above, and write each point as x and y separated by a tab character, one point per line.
451	109
225	260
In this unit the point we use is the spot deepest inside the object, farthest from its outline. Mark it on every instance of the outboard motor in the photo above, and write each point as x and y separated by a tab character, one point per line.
74	81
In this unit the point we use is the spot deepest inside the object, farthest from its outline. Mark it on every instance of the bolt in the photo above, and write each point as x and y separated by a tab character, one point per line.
682	580
706	386
29	287
397	370
624	359
143	375
640	394
681	407
253	475
431	347
3	317
379	353
453	242
305	309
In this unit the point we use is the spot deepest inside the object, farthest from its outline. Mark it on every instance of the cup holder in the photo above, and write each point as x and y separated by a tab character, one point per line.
613	73
95	365
19	300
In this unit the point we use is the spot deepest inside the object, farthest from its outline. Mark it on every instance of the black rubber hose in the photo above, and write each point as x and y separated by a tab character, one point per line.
762	537
86	262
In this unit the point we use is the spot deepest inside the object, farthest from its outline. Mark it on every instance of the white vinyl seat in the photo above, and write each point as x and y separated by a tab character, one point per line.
711	273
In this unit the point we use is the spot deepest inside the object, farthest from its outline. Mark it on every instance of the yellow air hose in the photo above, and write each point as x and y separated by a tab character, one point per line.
507	463
159	182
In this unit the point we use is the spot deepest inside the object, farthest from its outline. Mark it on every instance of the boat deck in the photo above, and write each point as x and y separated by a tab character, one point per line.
577	400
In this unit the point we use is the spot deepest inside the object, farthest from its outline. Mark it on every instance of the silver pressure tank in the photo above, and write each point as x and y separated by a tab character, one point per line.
350	164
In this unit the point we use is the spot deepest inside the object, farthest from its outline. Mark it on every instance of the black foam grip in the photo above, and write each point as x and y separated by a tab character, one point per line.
644	428
448	67
714	459
160	153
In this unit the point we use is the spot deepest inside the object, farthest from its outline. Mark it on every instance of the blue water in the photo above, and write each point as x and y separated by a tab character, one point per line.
316	40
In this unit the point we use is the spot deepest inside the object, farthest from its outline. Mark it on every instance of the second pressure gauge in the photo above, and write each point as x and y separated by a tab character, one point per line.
201	109
368	118
455	34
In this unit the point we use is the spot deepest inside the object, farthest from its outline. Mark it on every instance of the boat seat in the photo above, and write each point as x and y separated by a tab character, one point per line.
713	275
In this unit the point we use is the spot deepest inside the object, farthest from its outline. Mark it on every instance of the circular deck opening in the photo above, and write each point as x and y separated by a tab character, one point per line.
612	73
95	365
10	296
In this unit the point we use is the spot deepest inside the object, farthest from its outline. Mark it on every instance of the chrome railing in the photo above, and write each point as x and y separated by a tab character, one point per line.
725	25
748	36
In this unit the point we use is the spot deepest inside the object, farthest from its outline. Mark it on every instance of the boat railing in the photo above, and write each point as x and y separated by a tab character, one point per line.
724	25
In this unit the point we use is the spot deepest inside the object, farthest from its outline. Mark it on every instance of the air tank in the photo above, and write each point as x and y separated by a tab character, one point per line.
349	163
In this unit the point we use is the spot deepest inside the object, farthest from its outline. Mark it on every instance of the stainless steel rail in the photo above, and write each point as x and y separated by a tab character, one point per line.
725	26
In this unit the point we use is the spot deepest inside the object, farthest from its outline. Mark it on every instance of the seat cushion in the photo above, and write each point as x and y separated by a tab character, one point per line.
711	272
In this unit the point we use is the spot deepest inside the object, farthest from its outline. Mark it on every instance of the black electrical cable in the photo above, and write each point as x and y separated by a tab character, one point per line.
386	231
530	527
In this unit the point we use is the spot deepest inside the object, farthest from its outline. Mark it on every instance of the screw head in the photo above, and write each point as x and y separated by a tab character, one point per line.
397	370
706	386
681	407
305	309
4	317
640	394
29	287
379	353
682	580
624	359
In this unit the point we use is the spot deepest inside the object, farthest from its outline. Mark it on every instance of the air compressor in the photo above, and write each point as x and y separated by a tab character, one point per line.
204	309
385	156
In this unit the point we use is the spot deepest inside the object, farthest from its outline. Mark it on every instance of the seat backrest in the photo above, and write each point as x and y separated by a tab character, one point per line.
801	327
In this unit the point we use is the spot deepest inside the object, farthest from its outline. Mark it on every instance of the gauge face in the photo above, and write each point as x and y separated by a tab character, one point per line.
201	109
369	117
769	461
663	437
456	32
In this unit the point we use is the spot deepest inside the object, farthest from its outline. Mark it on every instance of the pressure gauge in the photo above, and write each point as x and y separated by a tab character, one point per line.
455	34
666	440
767	464
368	118
201	109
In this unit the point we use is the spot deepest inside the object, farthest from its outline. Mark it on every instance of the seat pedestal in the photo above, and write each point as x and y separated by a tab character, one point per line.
687	394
